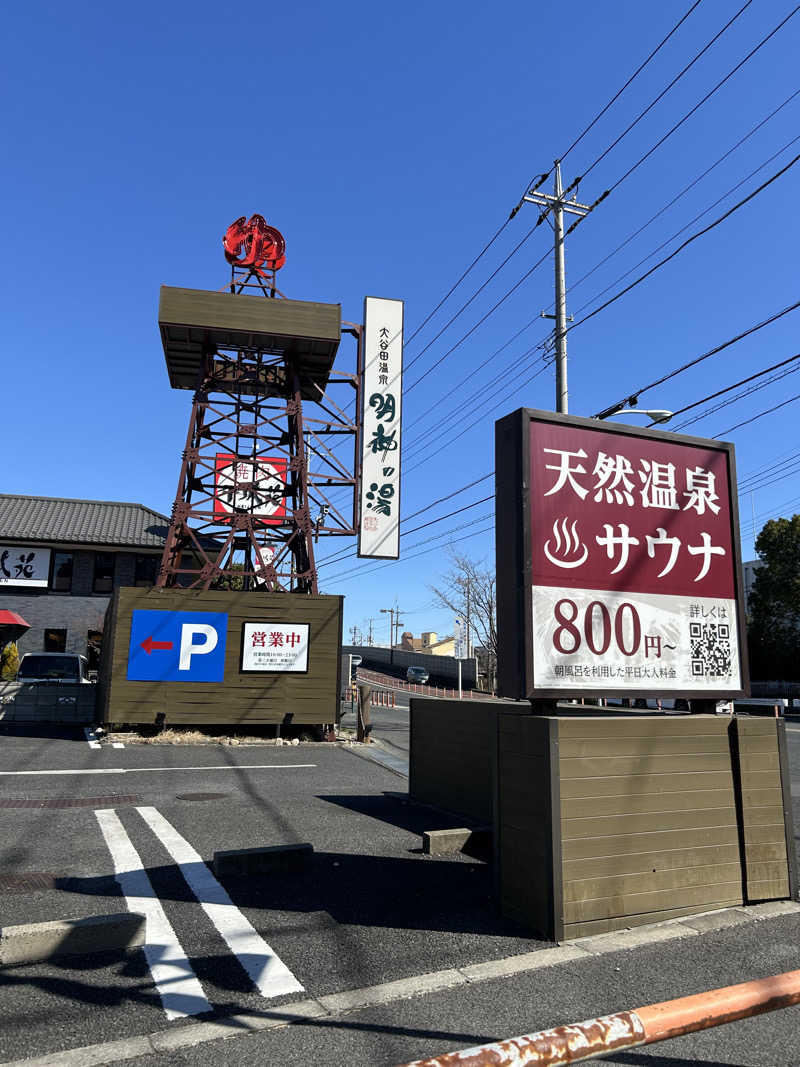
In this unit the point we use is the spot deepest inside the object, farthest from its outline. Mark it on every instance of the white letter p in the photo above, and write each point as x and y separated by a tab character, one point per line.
189	648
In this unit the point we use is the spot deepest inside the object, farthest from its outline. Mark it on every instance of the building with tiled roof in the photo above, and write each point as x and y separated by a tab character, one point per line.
60	559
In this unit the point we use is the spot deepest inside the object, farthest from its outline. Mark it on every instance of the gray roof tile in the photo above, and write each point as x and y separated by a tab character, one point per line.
93	522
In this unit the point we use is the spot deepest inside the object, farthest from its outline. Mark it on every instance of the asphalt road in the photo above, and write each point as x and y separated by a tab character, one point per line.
371	910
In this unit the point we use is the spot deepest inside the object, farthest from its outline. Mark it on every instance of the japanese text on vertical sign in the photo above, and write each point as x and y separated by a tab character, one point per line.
381	428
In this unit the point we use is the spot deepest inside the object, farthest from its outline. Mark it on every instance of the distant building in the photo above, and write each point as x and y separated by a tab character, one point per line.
428	643
61	559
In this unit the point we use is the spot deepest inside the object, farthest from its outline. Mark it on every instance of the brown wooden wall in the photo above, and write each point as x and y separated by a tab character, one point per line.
526	848
648	824
239	698
764	841
451	755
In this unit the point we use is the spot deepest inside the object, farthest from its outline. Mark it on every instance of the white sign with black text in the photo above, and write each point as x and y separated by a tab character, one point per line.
460	637
277	647
382	389
24	565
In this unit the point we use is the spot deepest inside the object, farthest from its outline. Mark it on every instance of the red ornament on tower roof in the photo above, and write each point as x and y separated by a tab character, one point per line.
253	243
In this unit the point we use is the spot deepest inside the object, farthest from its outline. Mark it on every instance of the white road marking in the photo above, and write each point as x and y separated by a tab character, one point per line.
92	740
268	972
174	977
142	770
117	744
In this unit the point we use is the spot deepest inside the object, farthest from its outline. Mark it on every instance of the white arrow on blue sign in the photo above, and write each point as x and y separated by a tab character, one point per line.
177	646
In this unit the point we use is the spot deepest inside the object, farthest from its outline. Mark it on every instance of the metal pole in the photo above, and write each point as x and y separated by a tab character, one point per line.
562	393
628	1029
460	694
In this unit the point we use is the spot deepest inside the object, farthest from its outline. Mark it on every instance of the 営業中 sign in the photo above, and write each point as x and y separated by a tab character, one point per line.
275	646
618	560
382	389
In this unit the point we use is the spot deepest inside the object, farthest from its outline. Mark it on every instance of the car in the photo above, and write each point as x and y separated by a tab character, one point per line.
417	674
54	667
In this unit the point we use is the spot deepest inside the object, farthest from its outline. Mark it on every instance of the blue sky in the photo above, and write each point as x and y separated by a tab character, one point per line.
388	145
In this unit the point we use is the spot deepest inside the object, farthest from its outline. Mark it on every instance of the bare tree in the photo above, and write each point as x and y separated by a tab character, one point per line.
468	589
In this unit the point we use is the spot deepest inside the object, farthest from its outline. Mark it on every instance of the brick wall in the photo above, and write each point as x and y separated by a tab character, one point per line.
77	612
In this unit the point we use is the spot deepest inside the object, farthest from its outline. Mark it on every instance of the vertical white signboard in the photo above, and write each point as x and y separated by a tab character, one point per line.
460	634
382	391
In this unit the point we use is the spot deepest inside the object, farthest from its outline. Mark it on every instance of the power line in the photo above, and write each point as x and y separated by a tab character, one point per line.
359	571
433	522
632	398
530	187
676	198
480	322
655	100
616	97
739	396
453	288
690	240
760	415
427	507
458	411
686	226
688	115
728	388
480	289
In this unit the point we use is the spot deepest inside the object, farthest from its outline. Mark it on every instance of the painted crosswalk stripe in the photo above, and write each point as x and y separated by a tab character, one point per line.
268	972
174	977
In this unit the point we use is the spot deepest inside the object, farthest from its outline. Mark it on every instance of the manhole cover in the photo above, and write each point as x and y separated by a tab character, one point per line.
70	802
200	796
26	883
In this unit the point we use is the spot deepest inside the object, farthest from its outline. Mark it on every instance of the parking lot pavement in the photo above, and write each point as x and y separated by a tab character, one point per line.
87	831
135	828
408	1027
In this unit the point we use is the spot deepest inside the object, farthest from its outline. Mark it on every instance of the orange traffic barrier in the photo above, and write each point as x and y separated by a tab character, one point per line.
627	1029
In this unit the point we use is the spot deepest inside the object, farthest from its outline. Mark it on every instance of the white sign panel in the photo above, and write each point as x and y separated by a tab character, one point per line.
24	565
382	388
629	640
275	647
460	633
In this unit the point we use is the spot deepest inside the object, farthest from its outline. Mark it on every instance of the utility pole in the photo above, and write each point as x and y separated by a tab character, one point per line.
370	639
394	625
558	205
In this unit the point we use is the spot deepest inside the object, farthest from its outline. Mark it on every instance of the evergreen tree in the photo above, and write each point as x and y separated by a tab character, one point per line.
774	623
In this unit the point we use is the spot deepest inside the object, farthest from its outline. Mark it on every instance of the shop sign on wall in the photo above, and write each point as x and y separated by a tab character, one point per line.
254	488
275	647
633	579
382	388
24	565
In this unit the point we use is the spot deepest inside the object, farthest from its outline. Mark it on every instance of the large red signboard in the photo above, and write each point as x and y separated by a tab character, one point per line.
629	559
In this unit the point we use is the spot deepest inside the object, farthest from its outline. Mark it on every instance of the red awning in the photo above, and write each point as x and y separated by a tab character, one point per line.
12	626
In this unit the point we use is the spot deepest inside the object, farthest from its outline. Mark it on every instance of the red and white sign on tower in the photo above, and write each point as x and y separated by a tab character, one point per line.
618	561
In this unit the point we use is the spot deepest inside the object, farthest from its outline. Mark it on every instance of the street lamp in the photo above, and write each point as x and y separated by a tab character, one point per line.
654	414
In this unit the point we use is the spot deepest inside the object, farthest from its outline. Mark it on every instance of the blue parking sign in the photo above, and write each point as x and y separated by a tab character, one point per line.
177	646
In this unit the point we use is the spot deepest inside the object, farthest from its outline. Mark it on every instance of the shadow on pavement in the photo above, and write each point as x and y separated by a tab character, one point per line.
427	894
48	731
394	809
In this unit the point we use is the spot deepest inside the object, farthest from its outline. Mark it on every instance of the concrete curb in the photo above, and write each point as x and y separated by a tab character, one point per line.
34	942
284	859
164	1041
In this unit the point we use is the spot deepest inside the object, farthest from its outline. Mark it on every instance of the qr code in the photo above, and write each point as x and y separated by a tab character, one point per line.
710	649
